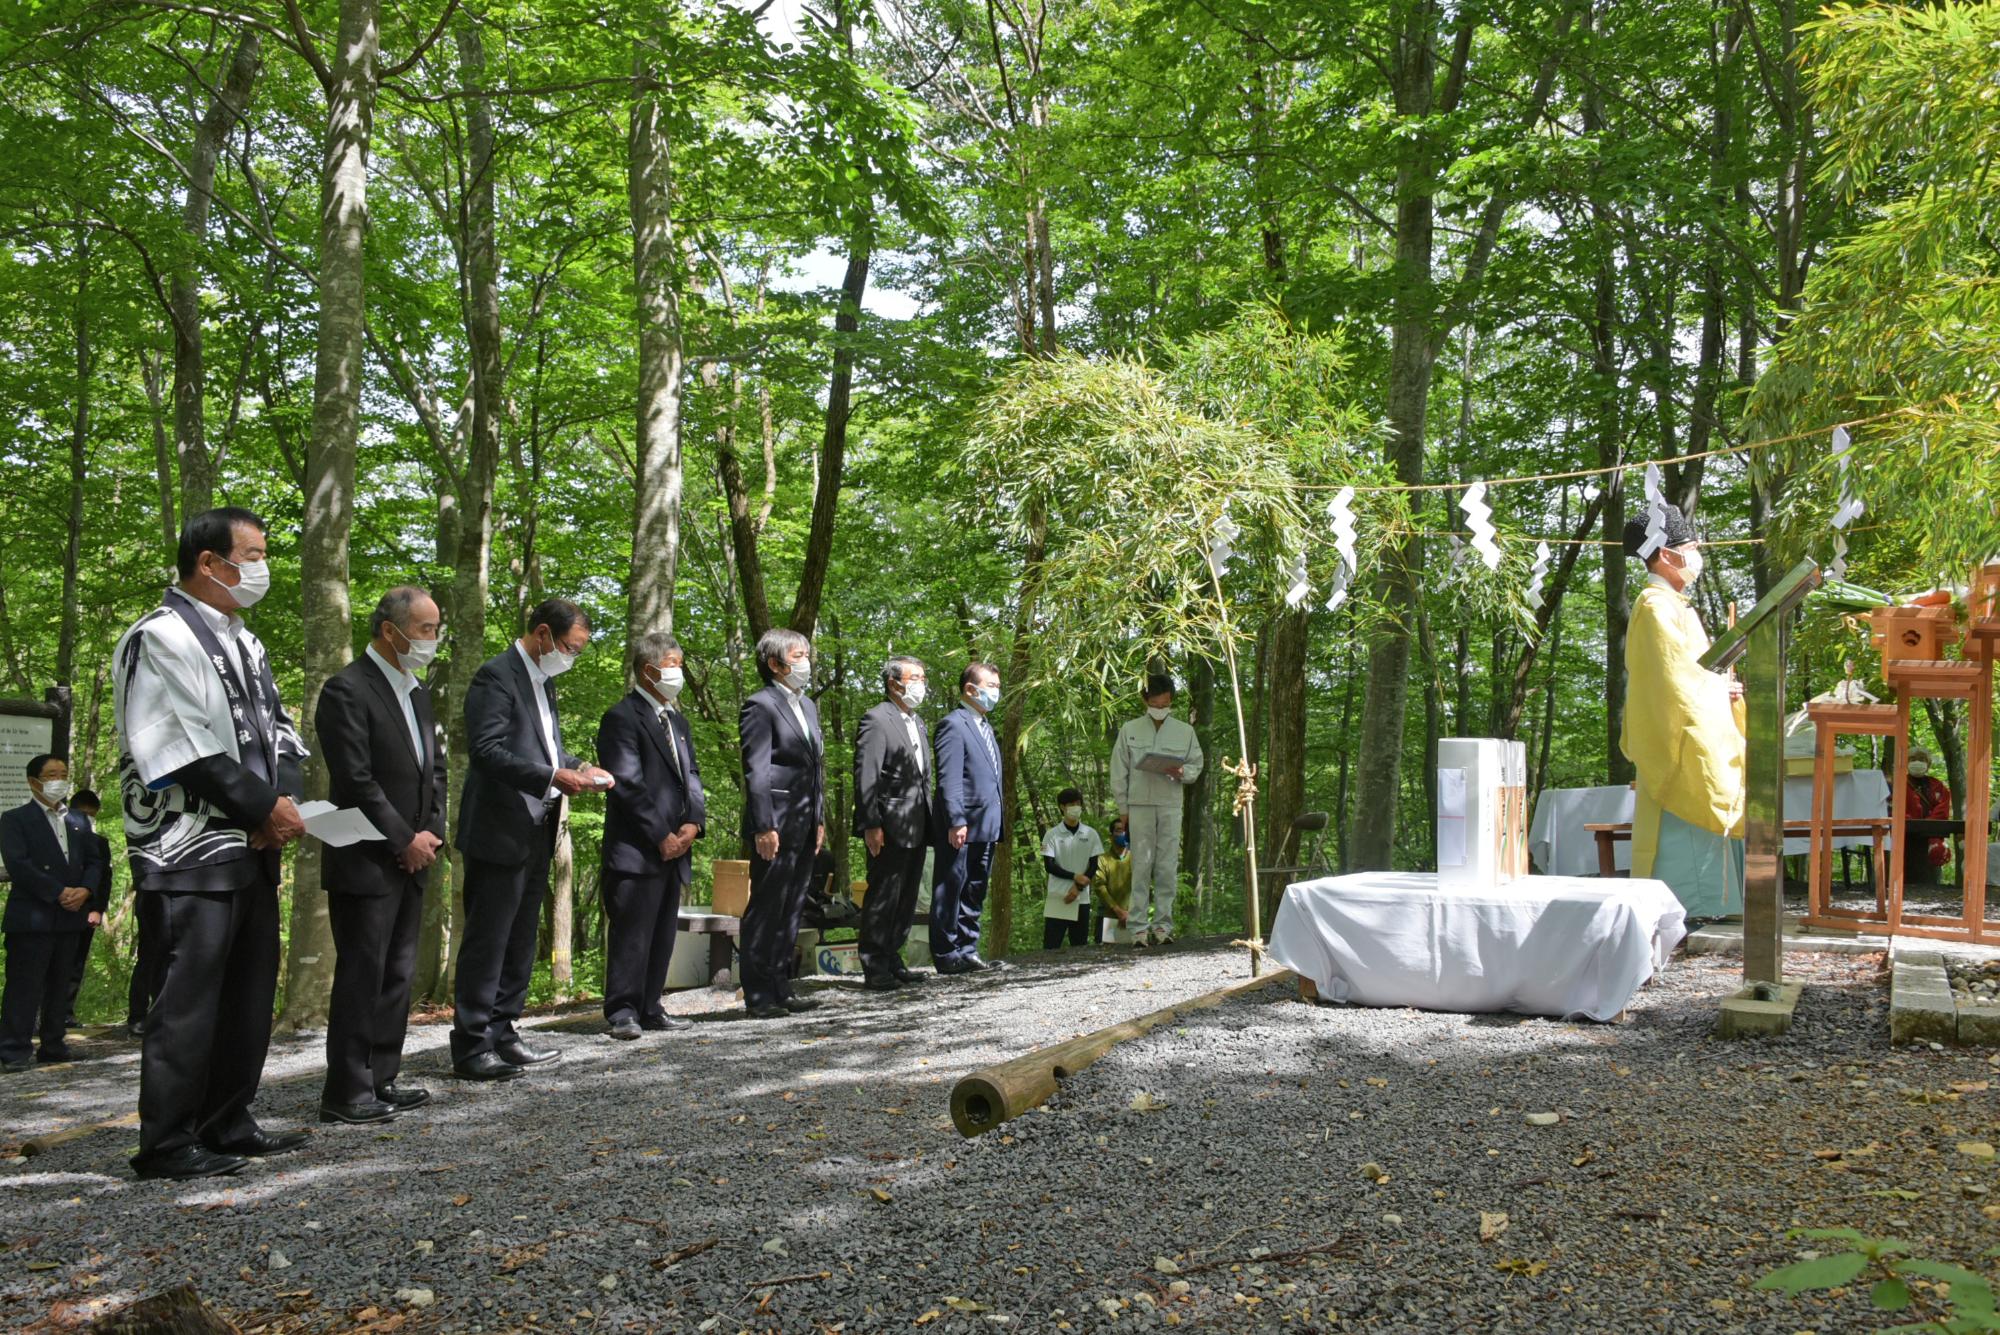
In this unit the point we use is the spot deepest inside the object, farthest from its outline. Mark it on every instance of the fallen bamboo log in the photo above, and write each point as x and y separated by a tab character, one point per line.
986	1098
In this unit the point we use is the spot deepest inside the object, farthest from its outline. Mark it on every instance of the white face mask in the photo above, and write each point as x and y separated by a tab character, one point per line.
1072	814
254	583
986	699
1918	769
1691	565
1158	713
669	682
914	693
798	676
417	654
555	662
58	790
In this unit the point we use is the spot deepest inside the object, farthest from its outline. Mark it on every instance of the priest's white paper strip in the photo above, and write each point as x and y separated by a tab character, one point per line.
1656	514
1338	594
1222	543
1340	512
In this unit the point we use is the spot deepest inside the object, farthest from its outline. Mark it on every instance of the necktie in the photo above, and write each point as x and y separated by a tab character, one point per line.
673	742
992	751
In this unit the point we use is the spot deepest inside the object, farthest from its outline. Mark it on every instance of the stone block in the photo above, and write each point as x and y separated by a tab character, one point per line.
1979	1026
1746	1014
1921	1007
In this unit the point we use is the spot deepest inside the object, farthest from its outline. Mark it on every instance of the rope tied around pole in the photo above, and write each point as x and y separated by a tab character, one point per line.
1245	773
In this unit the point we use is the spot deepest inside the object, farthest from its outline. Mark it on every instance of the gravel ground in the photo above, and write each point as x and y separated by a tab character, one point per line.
1300	1168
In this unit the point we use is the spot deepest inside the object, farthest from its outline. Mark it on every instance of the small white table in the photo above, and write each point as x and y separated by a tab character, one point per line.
1561	846
1541	945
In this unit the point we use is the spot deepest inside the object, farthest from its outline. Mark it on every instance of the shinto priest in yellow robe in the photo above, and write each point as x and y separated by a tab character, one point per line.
1683	733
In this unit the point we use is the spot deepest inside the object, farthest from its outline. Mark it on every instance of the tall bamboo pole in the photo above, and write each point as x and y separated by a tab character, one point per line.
1246	778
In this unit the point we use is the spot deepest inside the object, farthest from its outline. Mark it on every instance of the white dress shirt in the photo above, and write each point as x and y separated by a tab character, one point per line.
57	823
536	681
916	740
403	684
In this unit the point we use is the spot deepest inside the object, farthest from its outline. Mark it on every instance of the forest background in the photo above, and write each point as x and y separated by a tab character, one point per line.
954	328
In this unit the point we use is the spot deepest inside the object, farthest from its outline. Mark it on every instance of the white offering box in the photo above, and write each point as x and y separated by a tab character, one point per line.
1482	833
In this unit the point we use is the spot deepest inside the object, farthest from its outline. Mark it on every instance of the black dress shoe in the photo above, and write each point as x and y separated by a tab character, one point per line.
799	1005
189	1161
260	1143
373	1110
402	1100
47	1058
660	1023
625	1027
485	1066
953	968
907	975
16	1068
884	982
770	1010
519	1053
135	1028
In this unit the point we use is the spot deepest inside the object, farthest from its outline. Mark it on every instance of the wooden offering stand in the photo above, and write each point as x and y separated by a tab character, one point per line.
1913	642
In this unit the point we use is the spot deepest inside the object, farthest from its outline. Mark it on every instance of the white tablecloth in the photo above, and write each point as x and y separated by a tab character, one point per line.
1561	846
1542	945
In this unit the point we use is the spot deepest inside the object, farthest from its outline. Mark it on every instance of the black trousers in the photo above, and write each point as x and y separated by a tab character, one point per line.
769	936
375	940
1057	930
503	915
643	913
957	898
79	966
208	1031
37	989
895	875
146	966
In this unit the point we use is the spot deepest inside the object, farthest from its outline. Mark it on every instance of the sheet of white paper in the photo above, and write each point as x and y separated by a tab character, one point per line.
1451	817
336	826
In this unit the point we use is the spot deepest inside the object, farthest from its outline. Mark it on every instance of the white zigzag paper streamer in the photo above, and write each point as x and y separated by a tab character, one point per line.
1338	595
1299	583
1837	569
1852	507
1538	575
1478	518
1340	512
1222	543
1656	514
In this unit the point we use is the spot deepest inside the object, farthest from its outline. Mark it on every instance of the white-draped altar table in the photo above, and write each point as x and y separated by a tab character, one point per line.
1540	945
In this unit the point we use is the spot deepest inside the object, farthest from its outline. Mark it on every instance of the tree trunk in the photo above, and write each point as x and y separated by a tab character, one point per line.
562	909
1281	782
197	465
466	523
330	460
79	464
153	375
833	442
1000	890
656	497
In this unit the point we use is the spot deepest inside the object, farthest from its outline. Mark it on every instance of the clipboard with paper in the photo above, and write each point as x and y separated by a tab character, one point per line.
1160	762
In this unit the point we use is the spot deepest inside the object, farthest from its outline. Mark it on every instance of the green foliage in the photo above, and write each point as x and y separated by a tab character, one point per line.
1952	1299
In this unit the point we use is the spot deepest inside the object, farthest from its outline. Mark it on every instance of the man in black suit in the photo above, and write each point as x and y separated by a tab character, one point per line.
651	820
209	769
892	774
52	864
784	819
87	804
966	820
516	777
383	759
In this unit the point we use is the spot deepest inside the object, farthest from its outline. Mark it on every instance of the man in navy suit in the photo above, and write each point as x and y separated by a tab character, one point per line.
892	808
966	816
784	819
515	779
651	820
52	862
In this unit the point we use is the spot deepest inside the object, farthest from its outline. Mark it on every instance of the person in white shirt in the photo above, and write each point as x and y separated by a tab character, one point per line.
1070	851
1155	757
